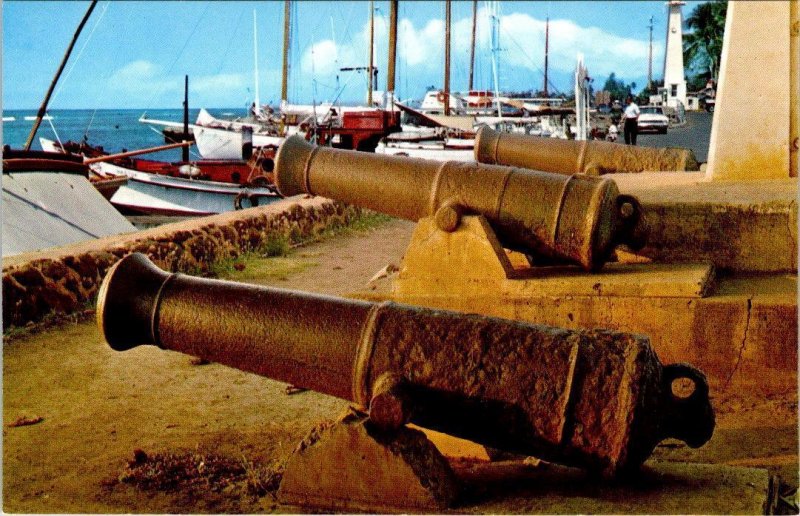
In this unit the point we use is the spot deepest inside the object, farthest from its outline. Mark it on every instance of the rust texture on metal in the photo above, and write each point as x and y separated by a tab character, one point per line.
575	219
596	399
577	157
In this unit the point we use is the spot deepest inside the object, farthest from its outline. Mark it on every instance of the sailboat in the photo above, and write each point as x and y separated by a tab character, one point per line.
357	128
48	198
457	123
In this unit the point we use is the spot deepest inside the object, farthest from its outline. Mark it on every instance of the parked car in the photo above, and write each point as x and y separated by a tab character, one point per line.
652	118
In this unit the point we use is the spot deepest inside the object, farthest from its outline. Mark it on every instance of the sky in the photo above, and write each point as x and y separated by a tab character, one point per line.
134	54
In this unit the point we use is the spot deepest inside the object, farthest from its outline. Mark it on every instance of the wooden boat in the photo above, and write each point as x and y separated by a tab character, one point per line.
155	194
185	189
222	140
15	160
255	172
48	202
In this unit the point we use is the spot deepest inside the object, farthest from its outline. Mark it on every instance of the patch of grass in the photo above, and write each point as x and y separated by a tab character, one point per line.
85	312
282	260
366	221
256	268
276	245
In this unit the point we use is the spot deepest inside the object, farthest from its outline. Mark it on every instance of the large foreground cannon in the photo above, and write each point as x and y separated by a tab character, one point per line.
597	399
593	158
577	219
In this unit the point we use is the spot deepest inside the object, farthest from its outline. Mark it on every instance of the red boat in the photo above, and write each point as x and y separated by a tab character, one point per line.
257	171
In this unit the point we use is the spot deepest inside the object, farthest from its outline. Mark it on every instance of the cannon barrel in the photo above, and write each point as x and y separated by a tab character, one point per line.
593	158
596	399
577	219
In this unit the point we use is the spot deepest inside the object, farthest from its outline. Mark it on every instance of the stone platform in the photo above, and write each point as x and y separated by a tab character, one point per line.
740	226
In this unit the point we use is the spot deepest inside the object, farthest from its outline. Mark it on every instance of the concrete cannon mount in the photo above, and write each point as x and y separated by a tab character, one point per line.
725	300
107	418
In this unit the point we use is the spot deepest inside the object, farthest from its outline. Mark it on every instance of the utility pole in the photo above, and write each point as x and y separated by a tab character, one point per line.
650	59
371	48
546	53
472	45
447	57
286	39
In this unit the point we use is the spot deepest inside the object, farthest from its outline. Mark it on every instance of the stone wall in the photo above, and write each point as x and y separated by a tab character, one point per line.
65	279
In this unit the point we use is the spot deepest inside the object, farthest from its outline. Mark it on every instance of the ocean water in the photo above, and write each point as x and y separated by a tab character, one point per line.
114	129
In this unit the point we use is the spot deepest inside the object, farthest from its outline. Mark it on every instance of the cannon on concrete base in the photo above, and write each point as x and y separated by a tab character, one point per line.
569	219
594	399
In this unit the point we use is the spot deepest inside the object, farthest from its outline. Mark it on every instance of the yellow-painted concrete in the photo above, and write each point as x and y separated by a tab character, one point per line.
743	226
739	330
794	81
750	135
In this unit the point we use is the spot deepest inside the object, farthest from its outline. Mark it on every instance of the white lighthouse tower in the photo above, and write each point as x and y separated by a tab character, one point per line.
674	90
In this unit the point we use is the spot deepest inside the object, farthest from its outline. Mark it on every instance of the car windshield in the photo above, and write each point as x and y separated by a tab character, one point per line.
651	110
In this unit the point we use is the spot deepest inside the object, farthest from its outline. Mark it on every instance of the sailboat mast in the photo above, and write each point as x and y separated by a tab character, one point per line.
495	50
650	59
447	58
256	101
43	107
472	44
392	54
546	53
371	49
286	39
185	153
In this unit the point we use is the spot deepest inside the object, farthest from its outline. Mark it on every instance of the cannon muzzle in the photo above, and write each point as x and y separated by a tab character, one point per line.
577	219
593	158
597	399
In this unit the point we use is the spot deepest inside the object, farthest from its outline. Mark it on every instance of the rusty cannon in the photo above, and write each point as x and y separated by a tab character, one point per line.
593	158
595	399
575	219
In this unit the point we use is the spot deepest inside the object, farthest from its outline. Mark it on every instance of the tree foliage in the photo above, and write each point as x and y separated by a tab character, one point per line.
702	46
617	87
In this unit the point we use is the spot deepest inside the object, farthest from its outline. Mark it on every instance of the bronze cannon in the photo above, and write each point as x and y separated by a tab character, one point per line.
593	158
577	219
595	399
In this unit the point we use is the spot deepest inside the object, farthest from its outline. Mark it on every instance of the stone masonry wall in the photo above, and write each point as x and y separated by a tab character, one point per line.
63	280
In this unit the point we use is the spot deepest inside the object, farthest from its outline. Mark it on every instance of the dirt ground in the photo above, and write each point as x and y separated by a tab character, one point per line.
151	431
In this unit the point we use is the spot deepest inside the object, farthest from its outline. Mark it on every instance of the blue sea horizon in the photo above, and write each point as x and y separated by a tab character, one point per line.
113	129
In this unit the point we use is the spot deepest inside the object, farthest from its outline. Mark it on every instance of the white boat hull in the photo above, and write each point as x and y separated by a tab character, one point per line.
154	194
213	143
436	152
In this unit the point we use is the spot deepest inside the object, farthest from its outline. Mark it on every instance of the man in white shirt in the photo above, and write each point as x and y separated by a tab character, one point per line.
631	116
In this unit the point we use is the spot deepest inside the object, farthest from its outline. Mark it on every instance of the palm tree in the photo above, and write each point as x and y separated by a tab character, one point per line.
702	47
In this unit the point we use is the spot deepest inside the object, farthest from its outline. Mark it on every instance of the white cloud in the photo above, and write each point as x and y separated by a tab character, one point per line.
324	58
219	82
145	84
139	79
420	49
423	47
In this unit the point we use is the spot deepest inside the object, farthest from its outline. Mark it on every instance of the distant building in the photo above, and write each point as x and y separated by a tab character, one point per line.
602	97
702	99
